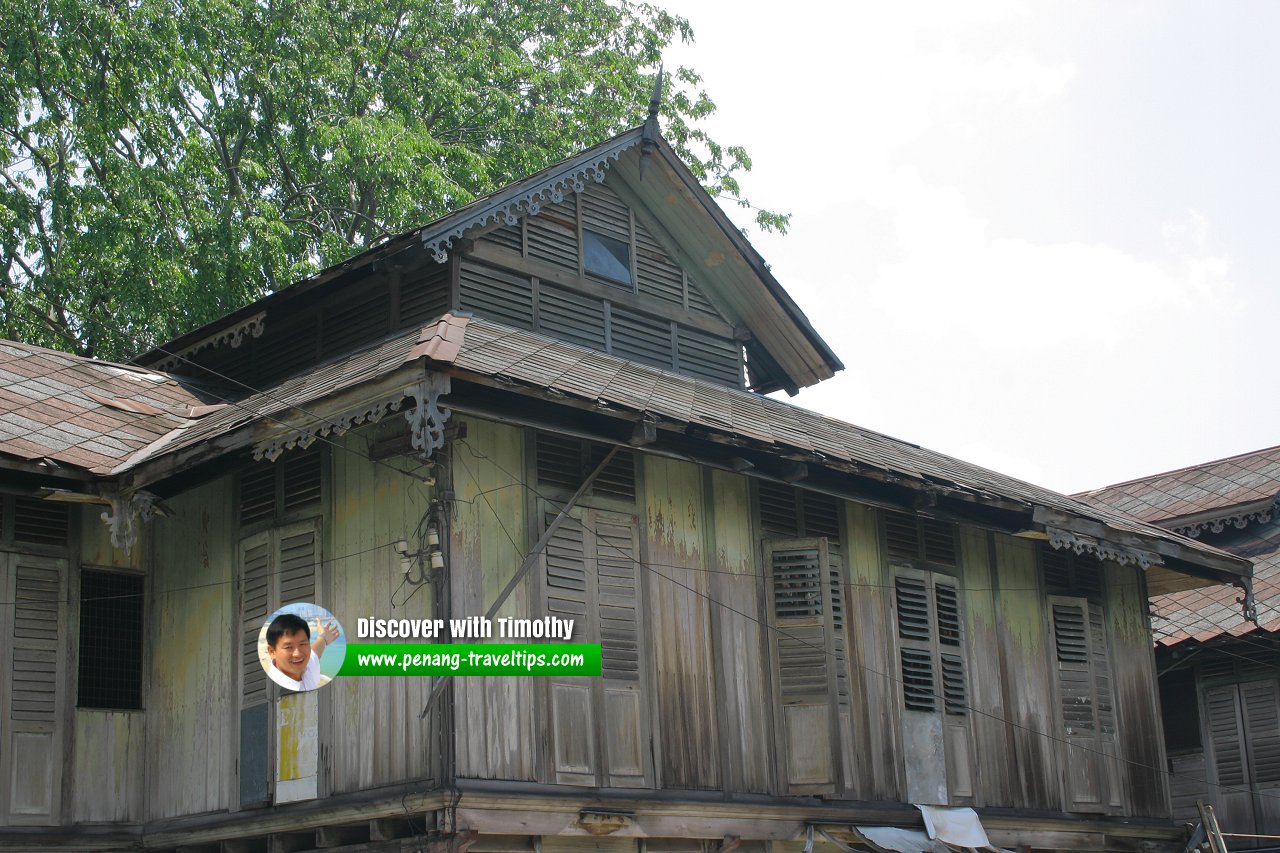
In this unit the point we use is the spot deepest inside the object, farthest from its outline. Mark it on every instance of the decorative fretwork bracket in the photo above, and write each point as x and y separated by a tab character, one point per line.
1248	604
530	202
428	417
1064	540
1239	520
127	515
234	335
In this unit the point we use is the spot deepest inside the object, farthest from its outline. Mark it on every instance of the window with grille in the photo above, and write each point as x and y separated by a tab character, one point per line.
272	491
111	613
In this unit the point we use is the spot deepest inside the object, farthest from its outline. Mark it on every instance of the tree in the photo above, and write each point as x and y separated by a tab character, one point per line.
166	162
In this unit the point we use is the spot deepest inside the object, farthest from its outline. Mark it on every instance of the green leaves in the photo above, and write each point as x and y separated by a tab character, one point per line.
164	163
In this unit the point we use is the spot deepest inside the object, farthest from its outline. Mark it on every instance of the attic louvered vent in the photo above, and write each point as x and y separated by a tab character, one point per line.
424	295
292	484
563	463
285	351
792	511
506	298
354	322
709	357
909	537
640	338
1071	574
553	234
38	522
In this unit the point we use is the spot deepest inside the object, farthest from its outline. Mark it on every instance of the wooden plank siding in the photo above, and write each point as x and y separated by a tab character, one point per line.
878	771
370	726
1141	747
191	689
992	769
680	624
496	718
1022	620
746	723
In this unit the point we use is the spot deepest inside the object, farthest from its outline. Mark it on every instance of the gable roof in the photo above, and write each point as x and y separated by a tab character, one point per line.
785	346
481	350
82	414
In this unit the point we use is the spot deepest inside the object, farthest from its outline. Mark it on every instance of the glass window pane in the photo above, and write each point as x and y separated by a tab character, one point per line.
606	257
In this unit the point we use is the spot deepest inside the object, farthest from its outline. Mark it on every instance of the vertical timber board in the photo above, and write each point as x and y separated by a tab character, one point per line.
494	717
992	769
680	624
109	766
1022	620
739	641
878	773
375	735
297	764
190	694
1140	736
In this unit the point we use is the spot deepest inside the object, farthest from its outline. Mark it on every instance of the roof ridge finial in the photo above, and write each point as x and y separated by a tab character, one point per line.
649	137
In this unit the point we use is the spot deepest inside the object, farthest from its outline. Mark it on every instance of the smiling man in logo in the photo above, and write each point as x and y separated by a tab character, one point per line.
295	659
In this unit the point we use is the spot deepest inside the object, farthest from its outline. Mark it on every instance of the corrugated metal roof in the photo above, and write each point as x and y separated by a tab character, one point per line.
84	413
1197	489
494	351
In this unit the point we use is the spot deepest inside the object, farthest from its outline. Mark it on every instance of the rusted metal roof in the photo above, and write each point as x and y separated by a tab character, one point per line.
1239	492
1215	611
1206	488
479	347
82	413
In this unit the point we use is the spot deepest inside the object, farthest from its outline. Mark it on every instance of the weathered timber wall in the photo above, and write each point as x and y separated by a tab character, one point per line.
680	623
745	721
1141	742
370	729
993	770
496	719
1021	620
190	683
878	772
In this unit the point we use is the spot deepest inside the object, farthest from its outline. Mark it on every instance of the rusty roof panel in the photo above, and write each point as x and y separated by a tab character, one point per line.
1212	486
47	410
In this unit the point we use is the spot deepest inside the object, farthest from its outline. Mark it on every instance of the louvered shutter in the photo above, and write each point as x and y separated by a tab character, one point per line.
805	663
255	604
39	522
935	690
502	296
1086	703
277	567
32	750
591	574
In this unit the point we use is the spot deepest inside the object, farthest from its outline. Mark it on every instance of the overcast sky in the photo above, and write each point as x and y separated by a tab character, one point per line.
1041	237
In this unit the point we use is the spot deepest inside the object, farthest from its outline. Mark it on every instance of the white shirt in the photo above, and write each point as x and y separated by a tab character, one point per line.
310	676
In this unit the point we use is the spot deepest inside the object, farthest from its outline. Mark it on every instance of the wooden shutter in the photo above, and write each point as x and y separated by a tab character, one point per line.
935	688
1243	723
277	567
805	663
255	604
1086	703
565	462
591	573
31	753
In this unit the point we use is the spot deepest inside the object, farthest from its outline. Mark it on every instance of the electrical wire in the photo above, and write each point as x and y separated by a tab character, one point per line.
865	668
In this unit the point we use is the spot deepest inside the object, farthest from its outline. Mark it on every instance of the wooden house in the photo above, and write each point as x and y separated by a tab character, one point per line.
808	627
1219	662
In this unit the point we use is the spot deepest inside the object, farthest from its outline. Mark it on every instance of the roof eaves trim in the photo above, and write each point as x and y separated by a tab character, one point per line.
508	205
1064	540
1216	521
